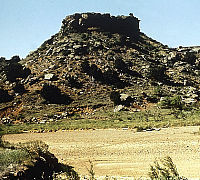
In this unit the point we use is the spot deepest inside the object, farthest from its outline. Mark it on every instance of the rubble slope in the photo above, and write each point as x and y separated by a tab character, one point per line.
93	60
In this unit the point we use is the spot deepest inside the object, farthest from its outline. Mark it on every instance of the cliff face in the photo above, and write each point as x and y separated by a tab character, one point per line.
127	25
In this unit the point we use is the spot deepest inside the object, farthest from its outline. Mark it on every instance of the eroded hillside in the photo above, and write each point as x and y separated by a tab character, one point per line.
95	61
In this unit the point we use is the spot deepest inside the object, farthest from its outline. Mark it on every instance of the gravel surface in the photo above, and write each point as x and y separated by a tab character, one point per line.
122	152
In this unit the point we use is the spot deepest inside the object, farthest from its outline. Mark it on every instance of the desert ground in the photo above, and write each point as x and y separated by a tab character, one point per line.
124	152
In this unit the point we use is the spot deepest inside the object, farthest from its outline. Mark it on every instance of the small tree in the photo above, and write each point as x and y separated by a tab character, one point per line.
1	134
4	96
115	97
120	65
165	170
157	73
52	94
15	70
172	102
85	66
190	58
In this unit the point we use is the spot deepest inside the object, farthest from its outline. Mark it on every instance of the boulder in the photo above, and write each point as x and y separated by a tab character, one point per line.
119	108
49	76
124	97
121	99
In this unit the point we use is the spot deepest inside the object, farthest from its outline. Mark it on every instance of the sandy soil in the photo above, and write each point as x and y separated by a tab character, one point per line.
122	152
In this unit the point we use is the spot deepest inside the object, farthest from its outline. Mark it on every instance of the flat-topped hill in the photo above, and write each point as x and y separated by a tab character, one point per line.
94	62
128	25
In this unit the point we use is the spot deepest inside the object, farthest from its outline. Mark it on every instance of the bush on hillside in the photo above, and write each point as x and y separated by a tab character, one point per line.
4	96
157	73
52	94
115	97
172	102
15	70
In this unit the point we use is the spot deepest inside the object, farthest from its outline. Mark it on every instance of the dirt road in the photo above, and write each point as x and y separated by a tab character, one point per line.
122	152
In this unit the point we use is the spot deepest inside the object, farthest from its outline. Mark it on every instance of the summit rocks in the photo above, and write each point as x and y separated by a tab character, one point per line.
127	25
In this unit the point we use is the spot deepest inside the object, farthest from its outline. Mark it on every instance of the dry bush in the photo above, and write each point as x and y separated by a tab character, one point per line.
166	169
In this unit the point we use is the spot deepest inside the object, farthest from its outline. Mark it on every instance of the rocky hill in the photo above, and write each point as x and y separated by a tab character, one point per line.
94	61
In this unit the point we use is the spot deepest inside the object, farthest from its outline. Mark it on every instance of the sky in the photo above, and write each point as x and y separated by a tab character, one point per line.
26	24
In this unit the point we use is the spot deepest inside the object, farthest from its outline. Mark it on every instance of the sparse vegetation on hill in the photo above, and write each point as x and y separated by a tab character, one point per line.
82	65
99	71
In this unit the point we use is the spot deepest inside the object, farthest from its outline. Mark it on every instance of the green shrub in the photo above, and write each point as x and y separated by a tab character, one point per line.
157	72
1	142
158	91
190	57
172	102
14	157
91	171
52	94
36	157
165	170
115	97
35	148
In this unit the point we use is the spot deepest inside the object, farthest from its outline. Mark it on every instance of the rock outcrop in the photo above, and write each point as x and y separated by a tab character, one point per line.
127	25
